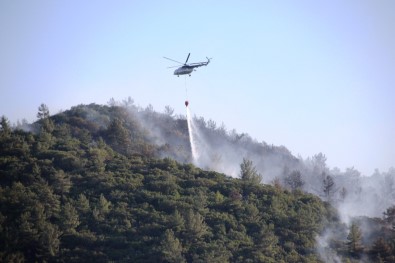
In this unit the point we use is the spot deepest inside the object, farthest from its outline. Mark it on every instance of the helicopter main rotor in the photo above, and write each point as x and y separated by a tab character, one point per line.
186	61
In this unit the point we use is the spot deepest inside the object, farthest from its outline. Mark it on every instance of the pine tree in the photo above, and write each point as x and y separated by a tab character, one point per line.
49	240
43	112
82	204
343	193
328	186
43	115
354	239
389	217
248	172
5	126
104	205
176	221
119	137
171	248
61	182
194	225
102	209
69	218
294	180
381	249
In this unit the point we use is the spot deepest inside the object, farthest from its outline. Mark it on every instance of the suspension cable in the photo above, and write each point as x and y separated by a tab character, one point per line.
186	90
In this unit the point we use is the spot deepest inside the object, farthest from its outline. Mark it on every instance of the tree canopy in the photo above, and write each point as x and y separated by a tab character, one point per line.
77	193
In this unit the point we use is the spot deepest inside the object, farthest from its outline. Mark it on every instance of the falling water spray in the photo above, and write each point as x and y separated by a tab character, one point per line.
191	137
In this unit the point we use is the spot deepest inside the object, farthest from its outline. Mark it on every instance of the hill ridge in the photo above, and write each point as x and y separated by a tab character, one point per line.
90	184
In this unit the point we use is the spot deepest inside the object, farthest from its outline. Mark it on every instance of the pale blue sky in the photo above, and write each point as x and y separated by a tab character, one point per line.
314	76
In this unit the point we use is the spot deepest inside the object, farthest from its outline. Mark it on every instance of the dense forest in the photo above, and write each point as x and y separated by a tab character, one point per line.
116	183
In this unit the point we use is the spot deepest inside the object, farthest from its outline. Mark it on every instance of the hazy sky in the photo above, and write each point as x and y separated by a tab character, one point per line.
314	76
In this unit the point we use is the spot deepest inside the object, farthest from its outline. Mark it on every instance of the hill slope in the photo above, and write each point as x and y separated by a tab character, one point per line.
89	185
129	130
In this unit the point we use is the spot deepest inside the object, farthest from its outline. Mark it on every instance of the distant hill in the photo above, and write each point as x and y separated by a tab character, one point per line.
115	183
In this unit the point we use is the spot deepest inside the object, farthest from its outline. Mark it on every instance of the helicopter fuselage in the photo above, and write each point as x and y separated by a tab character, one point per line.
183	70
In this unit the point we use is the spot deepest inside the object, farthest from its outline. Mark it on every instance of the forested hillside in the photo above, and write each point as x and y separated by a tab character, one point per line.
97	183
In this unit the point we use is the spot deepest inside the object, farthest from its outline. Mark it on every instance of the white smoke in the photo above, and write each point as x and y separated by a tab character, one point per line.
326	254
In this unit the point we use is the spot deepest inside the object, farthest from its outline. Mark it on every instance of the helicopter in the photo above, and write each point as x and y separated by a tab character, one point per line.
187	68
